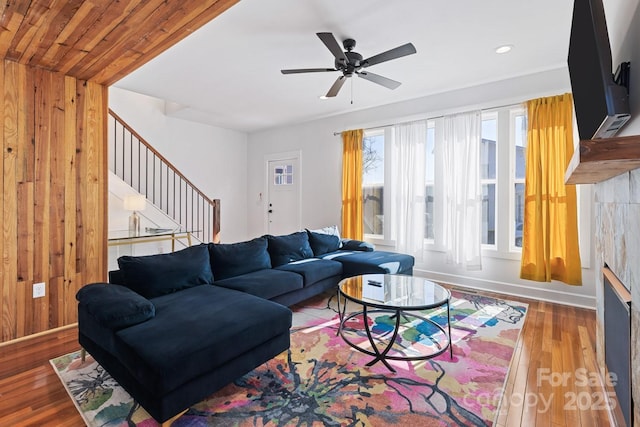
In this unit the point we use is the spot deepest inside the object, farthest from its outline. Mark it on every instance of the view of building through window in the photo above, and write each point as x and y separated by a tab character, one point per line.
430	181
373	182
488	178
520	140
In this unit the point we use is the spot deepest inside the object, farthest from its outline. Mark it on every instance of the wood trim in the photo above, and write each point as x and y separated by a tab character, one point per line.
39	334
597	160
616	284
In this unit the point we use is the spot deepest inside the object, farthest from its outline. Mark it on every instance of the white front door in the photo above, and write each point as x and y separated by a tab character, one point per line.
283	201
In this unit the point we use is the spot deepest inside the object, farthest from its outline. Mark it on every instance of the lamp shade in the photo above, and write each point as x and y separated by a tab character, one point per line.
135	202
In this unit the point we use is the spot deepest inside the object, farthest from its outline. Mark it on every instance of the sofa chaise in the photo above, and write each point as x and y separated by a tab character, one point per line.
172	329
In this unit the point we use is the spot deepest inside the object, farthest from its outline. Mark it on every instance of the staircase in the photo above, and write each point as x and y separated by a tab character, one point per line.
137	163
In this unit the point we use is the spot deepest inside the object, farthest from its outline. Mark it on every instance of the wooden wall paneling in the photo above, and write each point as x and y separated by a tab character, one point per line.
10	211
70	196
97	25
2	242
13	14
80	177
120	40
43	200
56	209
30	31
53	211
24	176
92	182
99	41
83	22
44	33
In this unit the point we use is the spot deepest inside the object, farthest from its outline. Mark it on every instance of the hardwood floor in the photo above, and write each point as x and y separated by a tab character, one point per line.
552	381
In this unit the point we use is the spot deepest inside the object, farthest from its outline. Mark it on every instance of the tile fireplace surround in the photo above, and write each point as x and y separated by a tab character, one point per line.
617	213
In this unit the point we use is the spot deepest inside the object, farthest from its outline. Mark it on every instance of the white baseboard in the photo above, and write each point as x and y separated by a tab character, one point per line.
548	295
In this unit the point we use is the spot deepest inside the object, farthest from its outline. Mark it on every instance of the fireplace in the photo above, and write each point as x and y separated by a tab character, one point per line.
617	343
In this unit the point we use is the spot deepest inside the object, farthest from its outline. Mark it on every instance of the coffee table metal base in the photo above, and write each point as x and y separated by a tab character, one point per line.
383	356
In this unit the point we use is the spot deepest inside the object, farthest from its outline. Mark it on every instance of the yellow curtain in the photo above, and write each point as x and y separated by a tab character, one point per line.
550	230
352	184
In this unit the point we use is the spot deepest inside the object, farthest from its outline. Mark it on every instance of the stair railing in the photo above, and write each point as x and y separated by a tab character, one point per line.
142	167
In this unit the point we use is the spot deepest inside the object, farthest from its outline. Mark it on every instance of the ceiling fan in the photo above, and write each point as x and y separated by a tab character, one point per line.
350	63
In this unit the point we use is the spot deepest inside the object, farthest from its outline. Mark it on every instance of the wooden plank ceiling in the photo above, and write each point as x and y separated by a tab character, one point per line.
98	40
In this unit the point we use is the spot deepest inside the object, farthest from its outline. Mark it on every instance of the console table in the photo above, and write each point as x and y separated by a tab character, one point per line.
124	237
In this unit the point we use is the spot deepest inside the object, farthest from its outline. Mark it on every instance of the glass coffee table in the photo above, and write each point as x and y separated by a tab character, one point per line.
405	299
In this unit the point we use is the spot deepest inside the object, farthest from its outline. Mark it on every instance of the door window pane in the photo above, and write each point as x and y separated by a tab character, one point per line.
373	183
283	175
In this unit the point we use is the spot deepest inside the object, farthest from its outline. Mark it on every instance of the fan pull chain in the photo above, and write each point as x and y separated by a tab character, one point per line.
351	90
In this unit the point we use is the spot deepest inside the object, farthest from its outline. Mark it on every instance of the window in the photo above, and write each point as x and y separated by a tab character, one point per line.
488	177
373	160
503	141
283	175
430	179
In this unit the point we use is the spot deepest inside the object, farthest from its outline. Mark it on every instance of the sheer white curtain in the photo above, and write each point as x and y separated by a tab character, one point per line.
462	189
408	187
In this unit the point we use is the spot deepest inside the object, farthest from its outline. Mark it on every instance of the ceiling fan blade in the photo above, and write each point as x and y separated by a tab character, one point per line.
337	85
383	81
332	44
307	70
398	52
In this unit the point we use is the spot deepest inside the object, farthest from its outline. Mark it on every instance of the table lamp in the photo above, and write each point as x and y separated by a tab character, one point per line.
133	203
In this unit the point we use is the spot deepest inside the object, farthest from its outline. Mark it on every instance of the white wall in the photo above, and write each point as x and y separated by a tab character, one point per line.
623	24
321	175
214	159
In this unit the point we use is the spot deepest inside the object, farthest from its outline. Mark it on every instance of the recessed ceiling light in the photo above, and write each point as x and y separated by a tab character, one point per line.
504	48
323	97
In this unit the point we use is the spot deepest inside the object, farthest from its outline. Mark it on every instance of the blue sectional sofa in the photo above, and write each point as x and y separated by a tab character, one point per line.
174	328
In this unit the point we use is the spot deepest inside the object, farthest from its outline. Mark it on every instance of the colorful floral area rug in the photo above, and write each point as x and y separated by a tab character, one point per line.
323	381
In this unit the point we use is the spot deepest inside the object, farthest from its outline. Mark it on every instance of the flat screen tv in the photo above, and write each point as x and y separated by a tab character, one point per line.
601	103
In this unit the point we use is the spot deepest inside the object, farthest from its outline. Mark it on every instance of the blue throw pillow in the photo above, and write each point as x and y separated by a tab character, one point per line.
115	306
233	259
292	247
155	275
323	243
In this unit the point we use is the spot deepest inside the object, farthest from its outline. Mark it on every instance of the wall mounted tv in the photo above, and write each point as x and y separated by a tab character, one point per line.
600	98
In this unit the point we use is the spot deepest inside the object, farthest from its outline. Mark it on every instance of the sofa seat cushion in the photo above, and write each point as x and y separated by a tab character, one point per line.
234	259
264	283
313	270
155	275
355	263
195	331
